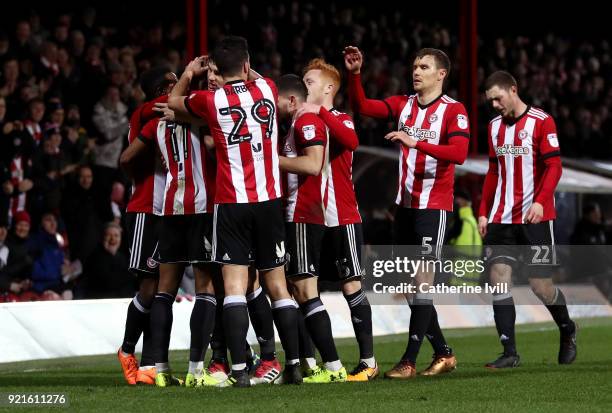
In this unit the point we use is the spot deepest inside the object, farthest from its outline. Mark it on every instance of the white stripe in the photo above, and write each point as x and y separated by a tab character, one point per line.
527	166
199	184
331	210
289	150
495	126
161	144
136	248
305	248
315	310
247	102
539	112
509	160
159	185
226	123
267	93
138	306
353	248
431	163
214	235
133	246
411	161
178	204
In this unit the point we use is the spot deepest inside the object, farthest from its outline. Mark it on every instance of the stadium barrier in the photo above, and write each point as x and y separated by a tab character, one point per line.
50	329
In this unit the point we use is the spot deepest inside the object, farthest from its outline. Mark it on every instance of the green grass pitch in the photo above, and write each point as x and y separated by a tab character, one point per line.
96	384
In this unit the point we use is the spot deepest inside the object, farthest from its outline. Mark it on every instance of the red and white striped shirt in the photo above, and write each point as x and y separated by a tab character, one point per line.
340	200
521	153
149	175
426	182
304	193
243	121
189	185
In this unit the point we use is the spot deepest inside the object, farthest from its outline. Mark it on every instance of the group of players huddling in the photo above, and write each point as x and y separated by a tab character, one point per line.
250	182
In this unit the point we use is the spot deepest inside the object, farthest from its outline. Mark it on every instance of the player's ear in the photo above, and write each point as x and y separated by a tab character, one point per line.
442	73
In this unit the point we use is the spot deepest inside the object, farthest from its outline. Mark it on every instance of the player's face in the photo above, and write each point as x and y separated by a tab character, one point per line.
425	74
287	106
501	100
316	85
215	80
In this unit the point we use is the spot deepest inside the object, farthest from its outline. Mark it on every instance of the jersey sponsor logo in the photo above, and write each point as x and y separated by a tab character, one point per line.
419	133
508	149
349	124
552	139
433	118
462	122
309	132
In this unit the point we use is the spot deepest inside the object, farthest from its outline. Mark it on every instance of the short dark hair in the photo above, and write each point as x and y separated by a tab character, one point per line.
441	59
292	84
153	80
501	79
230	55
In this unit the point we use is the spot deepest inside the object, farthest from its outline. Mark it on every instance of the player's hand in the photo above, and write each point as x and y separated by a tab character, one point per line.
307	108
353	59
482	226
198	66
534	214
25	185
162	108
402	137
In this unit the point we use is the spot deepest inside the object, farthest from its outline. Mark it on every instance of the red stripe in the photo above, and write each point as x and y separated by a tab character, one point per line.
517	208
402	182
445	174
419	168
502	170
268	150
224	186
189	197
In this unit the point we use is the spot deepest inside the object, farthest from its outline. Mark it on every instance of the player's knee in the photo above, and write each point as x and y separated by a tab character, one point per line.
147	290
544	290
500	273
351	287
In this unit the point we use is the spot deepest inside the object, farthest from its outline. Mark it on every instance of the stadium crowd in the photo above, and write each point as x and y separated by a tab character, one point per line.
68	84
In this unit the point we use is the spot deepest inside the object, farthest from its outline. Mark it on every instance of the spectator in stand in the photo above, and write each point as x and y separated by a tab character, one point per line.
32	123
110	119
85	210
50	263
10	286
18	244
106	273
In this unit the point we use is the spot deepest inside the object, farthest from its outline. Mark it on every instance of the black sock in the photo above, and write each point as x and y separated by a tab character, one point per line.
319	327
138	316
435	336
419	322
236	326
558	310
217	341
161	325
306	347
147	358
260	313
286	319
201	324
361	316
504	313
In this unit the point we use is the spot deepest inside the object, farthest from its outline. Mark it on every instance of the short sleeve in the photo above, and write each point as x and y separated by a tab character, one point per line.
457	122
549	142
196	104
309	130
148	133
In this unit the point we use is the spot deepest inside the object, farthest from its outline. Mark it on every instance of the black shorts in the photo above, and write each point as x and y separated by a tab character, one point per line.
245	234
143	237
303	249
185	239
527	244
341	253
424	229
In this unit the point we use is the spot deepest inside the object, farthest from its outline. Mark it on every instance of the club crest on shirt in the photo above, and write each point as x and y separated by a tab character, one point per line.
552	139
309	132
349	124
462	122
433	118
523	134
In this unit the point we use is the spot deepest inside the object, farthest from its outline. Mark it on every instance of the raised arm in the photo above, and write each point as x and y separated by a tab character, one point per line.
176	100
353	60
